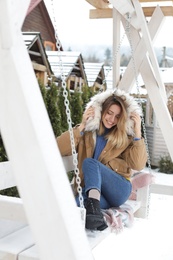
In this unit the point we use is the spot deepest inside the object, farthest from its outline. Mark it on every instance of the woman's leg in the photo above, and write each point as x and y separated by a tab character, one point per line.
114	188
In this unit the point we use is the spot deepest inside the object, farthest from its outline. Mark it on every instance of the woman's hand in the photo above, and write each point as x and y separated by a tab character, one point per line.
137	124
87	114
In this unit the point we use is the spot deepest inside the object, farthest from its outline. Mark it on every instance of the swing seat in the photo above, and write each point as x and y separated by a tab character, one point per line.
15	234
140	187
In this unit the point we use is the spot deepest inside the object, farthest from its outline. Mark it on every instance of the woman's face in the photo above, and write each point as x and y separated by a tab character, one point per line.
111	117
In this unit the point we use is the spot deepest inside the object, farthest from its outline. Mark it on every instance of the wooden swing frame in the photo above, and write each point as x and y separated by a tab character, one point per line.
55	232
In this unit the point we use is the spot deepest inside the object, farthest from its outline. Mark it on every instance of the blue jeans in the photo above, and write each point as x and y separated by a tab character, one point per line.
114	188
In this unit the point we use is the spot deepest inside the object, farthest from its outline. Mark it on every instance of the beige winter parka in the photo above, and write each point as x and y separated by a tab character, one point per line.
133	156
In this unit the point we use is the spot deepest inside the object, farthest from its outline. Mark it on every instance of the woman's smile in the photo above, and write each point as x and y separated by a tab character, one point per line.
111	117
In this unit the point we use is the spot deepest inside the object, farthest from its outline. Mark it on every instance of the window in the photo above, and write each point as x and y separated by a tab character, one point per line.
72	84
49	46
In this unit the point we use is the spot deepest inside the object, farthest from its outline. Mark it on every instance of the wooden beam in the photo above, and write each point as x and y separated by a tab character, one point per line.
39	67
152	1
98	3
34	53
148	11
101	13
102	4
167	10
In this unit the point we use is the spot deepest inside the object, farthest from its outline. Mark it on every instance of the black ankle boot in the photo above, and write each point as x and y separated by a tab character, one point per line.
94	216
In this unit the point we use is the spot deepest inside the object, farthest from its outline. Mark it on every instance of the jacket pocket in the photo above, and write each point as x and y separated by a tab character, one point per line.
120	166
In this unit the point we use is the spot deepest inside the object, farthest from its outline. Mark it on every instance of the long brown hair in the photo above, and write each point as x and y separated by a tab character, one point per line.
117	135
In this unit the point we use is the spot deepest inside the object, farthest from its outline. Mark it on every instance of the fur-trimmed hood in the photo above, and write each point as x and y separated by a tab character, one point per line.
97	101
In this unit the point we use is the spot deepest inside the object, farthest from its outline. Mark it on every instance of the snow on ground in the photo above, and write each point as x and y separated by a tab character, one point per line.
161	222
149	239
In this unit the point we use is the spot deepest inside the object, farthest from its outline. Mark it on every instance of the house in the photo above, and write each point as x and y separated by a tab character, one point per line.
69	64
39	35
156	140
95	75
37	53
38	20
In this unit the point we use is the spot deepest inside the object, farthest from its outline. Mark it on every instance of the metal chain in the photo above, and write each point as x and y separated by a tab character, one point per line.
68	113
140	103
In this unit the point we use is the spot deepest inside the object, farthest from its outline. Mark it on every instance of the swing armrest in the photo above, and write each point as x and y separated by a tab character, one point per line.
68	163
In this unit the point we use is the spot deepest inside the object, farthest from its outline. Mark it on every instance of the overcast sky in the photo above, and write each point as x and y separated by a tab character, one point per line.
75	27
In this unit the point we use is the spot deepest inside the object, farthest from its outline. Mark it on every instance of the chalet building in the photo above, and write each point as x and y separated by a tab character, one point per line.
38	20
71	66
95	75
37	53
156	141
39	35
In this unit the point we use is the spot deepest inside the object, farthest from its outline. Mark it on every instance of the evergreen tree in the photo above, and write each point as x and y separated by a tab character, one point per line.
76	107
124	60
108	56
43	92
3	155
92	58
85	96
53	110
87	93
91	92
62	109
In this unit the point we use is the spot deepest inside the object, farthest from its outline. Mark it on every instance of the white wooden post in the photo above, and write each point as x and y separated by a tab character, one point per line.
139	49
143	196
116	41
149	46
149	70
33	153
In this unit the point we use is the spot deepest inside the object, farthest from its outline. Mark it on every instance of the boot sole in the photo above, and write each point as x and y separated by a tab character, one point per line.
95	223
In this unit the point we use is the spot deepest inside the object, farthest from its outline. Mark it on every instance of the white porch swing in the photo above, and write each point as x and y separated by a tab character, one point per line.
56	233
140	196
140	206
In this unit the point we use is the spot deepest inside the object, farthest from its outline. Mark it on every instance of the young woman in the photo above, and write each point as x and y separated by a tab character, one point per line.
109	145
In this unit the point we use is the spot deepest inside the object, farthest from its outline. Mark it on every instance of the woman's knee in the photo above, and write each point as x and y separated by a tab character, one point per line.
87	162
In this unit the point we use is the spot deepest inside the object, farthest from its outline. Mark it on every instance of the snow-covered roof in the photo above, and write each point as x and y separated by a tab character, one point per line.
33	4
30	38
36	50
63	62
92	71
166	75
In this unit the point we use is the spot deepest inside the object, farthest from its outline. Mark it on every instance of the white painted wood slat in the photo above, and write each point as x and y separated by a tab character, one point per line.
11	208
139	50
7	227
149	46
29	254
33	152
6	176
13	244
